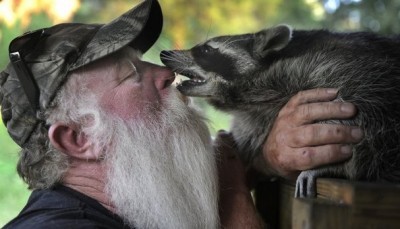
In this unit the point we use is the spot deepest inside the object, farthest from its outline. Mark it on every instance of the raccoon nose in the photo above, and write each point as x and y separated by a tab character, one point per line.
165	56
165	53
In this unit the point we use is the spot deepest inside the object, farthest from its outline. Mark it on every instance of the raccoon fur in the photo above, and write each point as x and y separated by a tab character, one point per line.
252	76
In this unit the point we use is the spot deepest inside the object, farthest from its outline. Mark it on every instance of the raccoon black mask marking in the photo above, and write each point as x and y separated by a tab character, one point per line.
252	76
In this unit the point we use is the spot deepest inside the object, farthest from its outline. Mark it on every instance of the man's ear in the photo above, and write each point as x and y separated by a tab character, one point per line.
272	39
67	139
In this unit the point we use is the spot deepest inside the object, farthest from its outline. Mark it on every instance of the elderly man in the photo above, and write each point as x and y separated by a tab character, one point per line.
107	142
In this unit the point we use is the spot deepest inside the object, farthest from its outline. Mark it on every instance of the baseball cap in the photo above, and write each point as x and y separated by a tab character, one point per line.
41	60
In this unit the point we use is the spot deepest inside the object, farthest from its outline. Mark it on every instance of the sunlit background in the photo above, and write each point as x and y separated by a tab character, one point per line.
186	23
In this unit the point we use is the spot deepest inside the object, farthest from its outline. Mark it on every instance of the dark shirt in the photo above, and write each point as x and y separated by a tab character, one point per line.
61	207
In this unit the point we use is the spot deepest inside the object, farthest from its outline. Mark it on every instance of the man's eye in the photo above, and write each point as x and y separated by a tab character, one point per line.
133	71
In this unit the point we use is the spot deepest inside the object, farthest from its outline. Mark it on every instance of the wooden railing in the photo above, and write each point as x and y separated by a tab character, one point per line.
339	204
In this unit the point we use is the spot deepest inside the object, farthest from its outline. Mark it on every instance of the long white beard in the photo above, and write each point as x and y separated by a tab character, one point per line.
162	169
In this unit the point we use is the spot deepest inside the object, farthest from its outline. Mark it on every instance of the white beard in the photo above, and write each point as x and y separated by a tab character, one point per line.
162	168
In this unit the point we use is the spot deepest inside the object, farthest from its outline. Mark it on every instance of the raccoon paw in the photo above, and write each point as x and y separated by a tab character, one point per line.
306	184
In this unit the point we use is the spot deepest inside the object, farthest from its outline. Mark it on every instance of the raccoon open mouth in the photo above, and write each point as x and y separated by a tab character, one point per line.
193	80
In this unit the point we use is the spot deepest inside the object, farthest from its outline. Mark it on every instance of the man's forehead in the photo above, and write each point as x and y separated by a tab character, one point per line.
127	57
108	69
132	53
111	62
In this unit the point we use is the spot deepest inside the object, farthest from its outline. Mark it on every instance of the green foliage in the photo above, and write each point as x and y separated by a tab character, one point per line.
190	22
13	192
376	16
5	38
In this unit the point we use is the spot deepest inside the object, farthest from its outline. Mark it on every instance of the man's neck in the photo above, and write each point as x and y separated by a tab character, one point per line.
89	178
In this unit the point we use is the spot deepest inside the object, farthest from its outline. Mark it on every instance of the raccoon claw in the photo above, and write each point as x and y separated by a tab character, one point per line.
306	184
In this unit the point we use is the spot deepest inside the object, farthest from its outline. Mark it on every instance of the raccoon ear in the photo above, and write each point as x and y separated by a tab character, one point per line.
272	39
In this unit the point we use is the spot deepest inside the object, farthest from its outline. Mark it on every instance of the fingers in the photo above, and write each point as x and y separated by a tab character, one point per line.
224	138
316	104
231	171
310	146
313	95
311	112
321	134
290	161
224	145
311	157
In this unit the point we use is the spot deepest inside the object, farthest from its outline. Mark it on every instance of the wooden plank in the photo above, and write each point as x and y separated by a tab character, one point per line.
372	205
358	192
335	190
317	213
339	204
364	222
286	202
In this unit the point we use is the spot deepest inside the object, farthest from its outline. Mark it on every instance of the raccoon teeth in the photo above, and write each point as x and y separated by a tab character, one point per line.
198	81
178	82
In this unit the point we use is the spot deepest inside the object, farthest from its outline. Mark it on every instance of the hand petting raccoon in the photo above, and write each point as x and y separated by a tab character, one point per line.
296	142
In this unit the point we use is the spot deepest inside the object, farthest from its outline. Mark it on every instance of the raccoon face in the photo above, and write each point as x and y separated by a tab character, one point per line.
221	62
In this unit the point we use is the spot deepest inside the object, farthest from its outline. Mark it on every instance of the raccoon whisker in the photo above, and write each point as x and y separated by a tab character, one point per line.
172	58
209	28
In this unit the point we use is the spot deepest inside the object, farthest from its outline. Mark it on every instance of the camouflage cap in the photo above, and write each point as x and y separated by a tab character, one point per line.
60	49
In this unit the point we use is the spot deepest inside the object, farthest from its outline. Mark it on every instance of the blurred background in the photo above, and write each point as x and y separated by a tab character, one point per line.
186	23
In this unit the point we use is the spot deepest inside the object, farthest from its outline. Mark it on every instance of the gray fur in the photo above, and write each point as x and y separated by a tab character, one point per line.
252	76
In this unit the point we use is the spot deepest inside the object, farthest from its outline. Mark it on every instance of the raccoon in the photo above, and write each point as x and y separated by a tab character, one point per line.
252	76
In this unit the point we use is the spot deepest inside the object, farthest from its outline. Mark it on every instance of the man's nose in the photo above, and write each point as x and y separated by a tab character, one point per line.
162	76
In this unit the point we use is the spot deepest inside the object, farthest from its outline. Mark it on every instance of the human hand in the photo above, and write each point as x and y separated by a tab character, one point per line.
231	171
236	205
296	143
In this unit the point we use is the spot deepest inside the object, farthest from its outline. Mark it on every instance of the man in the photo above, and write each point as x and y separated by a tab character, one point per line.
107	142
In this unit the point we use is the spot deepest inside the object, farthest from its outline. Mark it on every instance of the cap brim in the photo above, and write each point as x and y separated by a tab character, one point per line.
140	28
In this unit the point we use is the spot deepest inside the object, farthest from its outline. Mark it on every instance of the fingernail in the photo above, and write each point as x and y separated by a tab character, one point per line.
356	133
347	107
223	134
346	149
221	131
332	90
